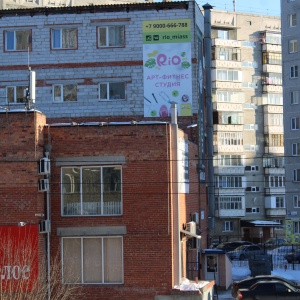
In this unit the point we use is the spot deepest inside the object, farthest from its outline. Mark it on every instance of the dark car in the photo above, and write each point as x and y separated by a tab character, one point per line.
248	282
229	246
269	290
293	256
245	252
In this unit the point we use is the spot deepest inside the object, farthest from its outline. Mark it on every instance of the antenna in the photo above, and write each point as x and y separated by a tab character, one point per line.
233	5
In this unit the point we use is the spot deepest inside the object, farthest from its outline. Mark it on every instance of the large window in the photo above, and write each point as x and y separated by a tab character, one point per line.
223	34
64	92
230	160
92	260
295	149
229	181
16	94
274	140
273	162
229	96
292	20
274	181
112	91
229	202
91	190
111	36
296	175
231	54
295	123
64	38
18	40
280	202
230	138
294	97
229	75
272	58
294	72
276	119
272	78
293	46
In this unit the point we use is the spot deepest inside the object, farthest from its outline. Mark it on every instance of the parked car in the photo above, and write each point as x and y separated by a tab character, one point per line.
274	242
279	253
293	256
245	252
248	282
229	246
269	290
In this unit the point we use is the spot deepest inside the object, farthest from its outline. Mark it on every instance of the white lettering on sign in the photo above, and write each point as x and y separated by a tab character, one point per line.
15	272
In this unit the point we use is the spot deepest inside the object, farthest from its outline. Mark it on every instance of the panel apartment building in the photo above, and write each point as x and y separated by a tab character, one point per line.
248	126
290	22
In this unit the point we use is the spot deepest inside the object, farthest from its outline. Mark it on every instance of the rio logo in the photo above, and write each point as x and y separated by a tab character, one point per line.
163	60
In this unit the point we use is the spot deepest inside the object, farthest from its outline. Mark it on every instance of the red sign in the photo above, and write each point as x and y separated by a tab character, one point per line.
18	258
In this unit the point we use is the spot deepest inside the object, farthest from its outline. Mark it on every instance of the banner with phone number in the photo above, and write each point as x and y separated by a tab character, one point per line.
167	67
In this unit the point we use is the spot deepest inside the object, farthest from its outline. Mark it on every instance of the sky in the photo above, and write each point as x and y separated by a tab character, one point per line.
265	7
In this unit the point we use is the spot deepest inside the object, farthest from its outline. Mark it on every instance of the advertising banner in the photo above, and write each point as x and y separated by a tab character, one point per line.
167	67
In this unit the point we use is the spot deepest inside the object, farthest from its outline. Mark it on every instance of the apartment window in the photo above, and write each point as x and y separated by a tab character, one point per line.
273	162
91	190
64	38
227	226
296	201
297	227
280	227
229	202
294	72
16	94
292	20
18	40
274	140
295	123
223	34
228	75
92	260
112	91
253	210
229	181
111	36
293	46
296	175
295	149
229	96
280	202
294	97
230	54
276	119
230	160
64	92
272	58
230	138
273	99
250	126
272	78
274	181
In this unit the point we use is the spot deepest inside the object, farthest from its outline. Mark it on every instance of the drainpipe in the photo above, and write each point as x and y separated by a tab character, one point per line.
175	194
209	116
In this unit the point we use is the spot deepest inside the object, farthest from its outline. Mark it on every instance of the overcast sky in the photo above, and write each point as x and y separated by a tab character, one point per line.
265	7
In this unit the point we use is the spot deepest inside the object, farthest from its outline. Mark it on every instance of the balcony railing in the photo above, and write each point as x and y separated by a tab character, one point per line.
233	213
276	212
227	43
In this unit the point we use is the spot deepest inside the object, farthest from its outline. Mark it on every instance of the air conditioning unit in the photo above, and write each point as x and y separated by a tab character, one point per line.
43	185
254	168
195	217
191	227
45	226
44	166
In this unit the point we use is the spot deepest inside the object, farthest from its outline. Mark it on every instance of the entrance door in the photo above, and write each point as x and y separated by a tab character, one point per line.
211	268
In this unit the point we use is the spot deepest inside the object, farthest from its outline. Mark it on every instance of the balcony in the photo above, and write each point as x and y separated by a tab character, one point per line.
228	148
272	68
273	129
226	43
274	171
229	170
271	48
226	85
272	88
274	150
225	106
228	127
226	64
275	191
230	213
273	109
230	191
275	212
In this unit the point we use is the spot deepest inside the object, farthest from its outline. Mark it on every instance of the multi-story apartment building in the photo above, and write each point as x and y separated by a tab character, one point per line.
290	22
248	125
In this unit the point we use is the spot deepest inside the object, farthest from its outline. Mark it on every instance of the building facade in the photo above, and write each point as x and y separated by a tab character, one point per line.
248	126
290	58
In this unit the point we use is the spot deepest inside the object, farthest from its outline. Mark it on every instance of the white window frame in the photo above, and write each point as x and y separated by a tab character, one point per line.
229	202
293	46
228	75
87	264
295	123
230	160
296	175
227	226
274	181
76	195
294	72
112	91
253	210
294	97
64	92
229	182
280	202
64	38
295	149
230	138
296	227
17	92
12	37
107	36
292	20
296	201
